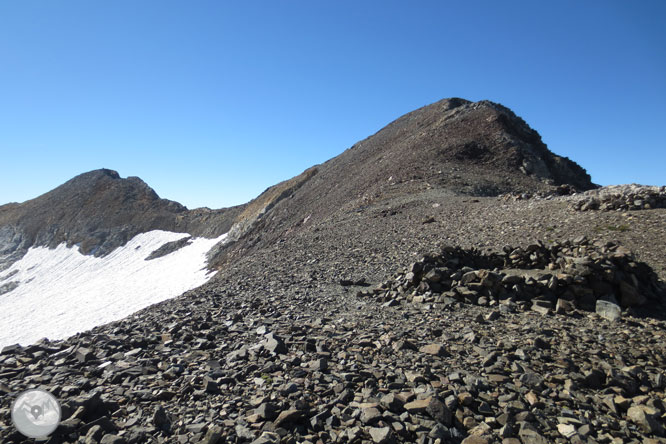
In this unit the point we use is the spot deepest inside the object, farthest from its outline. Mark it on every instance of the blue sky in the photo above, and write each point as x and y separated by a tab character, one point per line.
211	102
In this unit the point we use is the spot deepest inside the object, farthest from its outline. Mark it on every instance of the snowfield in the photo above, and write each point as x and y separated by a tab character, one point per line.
62	292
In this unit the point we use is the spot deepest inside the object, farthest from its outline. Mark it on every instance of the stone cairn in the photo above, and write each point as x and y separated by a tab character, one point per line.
562	276
622	198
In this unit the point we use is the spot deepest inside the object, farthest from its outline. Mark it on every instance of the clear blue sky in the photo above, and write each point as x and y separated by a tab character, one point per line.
211	102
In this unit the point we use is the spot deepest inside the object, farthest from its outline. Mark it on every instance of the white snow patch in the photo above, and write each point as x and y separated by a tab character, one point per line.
63	292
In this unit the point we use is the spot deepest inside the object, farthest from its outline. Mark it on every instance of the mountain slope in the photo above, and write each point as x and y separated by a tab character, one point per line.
479	149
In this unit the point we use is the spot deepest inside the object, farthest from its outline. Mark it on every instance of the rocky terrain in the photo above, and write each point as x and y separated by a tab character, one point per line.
434	284
622	197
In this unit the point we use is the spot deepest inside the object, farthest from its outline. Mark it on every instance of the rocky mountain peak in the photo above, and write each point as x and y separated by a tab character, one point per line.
97	211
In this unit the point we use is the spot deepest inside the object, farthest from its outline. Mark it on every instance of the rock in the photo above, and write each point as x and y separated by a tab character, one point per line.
434	349
112	439
210	386
161	419
213	435
243	432
439	432
530	435
370	416
531	380
381	435
319	365
84	355
267	411
566	430
238	355
608	310
392	402
475	439
288	416
10	349
630	296
493	316
94	434
563	306
418	406
646	418
542	307
274	344
468	278
595	379
439	412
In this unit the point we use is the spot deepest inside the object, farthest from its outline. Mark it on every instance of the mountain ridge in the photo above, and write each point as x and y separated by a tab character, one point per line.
99	211
475	148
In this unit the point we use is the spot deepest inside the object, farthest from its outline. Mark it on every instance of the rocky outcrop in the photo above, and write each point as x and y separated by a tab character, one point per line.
559	277
621	197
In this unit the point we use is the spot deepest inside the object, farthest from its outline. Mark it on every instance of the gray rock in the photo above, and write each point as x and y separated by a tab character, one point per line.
112	439
439	412
370	416
532	380
161	420
213	435
530	435
608	310
267	411
433	349
274	344
381	435
646	418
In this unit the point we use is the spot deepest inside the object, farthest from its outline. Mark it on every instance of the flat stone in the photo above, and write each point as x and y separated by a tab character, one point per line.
370	416
433	349
112	439
288	416
418	406
566	430
381	435
475	439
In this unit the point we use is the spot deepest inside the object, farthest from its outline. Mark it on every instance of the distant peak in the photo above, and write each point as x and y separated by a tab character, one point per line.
101	172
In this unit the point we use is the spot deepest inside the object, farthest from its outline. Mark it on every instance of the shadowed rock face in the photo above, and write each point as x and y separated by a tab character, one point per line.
99	211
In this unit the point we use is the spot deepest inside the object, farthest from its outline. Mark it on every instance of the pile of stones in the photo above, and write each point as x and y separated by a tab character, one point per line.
561	190
561	276
621	197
